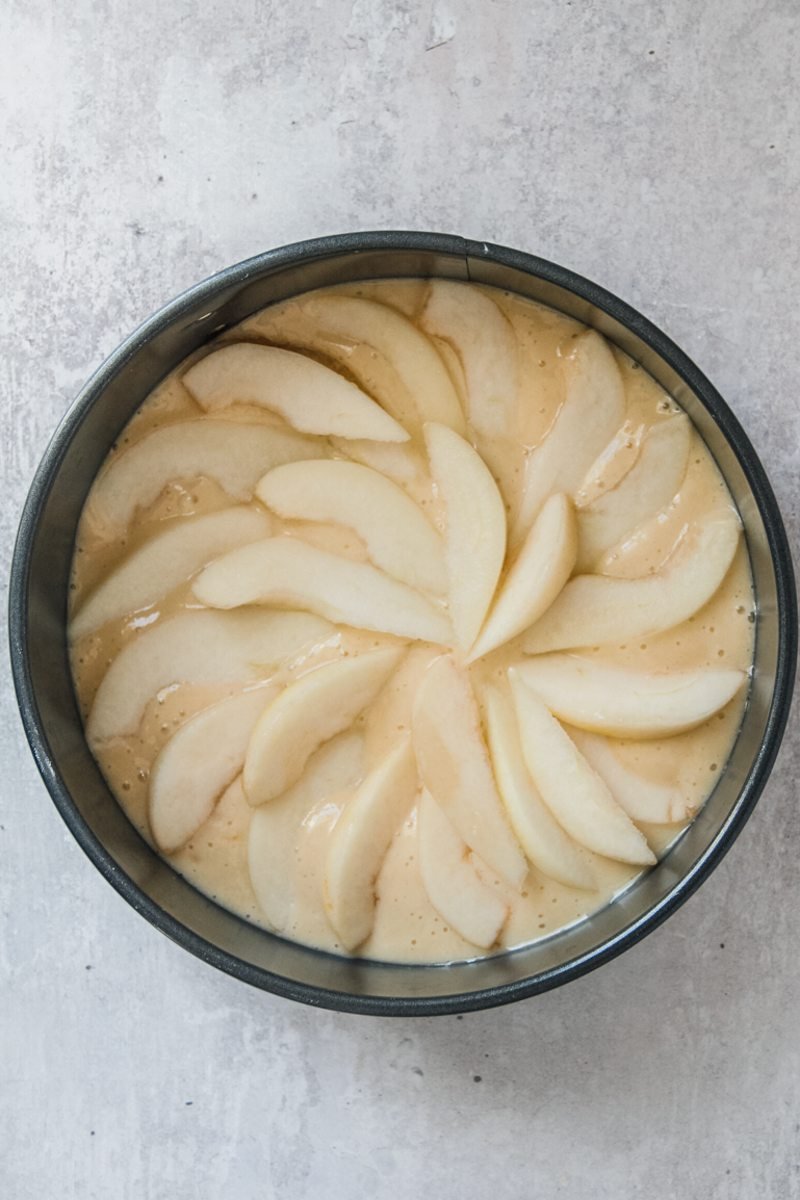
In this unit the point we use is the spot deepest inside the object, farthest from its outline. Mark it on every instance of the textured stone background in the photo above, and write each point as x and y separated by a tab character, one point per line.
653	146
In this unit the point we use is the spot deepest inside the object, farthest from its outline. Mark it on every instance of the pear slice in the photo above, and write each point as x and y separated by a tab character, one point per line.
541	569
544	841
334	769
286	572
394	530
381	348
624	703
485	342
400	461
593	409
309	396
594	610
164	562
649	485
454	767
361	837
233	453
577	797
642	799
475	539
310	711
461	898
198	763
195	647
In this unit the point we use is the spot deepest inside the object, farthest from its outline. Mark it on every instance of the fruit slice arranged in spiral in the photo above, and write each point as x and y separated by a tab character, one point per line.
475	538
537	575
544	841
594	610
309	712
454	887
384	351
648	486
233	453
360	840
197	764
486	345
642	799
335	769
577	797
397	536
285	572
593	410
164	562
309	396
454	766
624	703
195	647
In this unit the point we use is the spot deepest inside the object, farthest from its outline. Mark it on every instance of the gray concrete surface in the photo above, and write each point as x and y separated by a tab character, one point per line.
653	146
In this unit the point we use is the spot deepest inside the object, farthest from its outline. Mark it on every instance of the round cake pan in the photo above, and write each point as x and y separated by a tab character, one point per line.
38	607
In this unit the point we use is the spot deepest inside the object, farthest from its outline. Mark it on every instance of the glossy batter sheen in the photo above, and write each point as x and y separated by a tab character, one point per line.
407	927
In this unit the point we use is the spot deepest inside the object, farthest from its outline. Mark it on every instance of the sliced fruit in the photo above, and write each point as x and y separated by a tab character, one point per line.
594	610
454	767
593	408
164	562
360	840
642	799
309	396
382	349
454	888
544	841
475	540
400	461
288	573
198	763
195	647
576	796
538	574
394	530
648	486
233	453
484	340
624	703
334	769
309	712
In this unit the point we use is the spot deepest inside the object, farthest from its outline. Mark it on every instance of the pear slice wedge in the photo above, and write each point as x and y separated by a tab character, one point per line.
538	574
195	647
628	704
309	712
454	767
649	485
486	345
336	768
461	898
198	763
309	396
576	796
475	539
595	610
381	348
361	837
642	799
546	844
401	462
165	561
286	572
397	536
233	453
593	409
